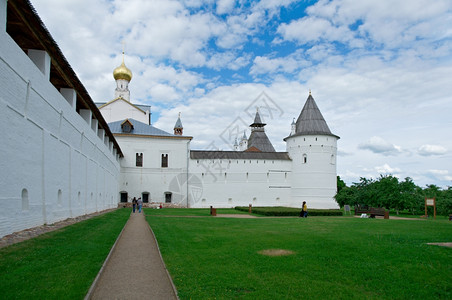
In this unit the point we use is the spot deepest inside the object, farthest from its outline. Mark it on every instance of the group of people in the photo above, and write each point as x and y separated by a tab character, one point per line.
137	204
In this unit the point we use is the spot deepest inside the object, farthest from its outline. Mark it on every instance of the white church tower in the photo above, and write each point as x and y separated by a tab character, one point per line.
313	148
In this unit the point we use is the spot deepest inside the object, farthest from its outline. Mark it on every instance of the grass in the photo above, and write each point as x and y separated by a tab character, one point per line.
218	258
61	264
198	212
334	257
289	211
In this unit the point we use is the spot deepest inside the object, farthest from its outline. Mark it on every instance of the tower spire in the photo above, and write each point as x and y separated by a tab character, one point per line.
178	128
123	50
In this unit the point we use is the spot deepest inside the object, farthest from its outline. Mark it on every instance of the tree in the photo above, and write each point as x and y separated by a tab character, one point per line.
347	195
340	184
410	196
387	191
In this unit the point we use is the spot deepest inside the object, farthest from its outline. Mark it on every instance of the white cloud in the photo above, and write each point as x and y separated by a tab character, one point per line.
312	29
266	65
386	169
225	6
163	92
429	150
440	175
378	145
389	23
439	172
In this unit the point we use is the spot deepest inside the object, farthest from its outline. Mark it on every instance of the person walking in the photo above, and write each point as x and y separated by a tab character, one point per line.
140	204
304	210
134	204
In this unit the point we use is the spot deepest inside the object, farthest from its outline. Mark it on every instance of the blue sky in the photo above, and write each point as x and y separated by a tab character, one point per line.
379	70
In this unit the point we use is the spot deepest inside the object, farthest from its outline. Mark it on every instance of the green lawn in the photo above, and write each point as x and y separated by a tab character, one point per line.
218	258
199	212
61	264
334	257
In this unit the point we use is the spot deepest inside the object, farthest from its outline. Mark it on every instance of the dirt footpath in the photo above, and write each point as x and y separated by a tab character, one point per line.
134	269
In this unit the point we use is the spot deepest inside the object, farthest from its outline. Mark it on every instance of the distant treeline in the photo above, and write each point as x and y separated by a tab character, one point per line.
390	193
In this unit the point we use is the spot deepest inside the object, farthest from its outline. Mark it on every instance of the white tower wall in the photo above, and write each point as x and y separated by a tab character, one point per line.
313	170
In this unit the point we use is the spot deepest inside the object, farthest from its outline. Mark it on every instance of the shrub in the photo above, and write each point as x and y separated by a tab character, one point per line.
280	211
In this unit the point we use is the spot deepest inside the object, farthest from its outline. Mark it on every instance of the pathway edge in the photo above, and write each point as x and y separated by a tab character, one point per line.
93	285
161	258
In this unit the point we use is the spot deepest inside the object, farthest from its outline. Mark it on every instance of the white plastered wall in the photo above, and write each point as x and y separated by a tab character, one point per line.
120	110
151	177
314	170
53	165
240	182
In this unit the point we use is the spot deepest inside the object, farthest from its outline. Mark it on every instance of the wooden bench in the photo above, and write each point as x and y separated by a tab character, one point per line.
372	211
364	209
379	211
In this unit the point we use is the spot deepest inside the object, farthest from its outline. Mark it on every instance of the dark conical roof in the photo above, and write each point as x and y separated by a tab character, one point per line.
259	140
257	121
310	121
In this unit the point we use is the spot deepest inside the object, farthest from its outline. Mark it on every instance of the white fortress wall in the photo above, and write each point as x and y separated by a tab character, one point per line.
54	163
224	182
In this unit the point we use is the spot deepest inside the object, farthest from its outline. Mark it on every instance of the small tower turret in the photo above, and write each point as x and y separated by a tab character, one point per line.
236	145
178	128
243	142
293	127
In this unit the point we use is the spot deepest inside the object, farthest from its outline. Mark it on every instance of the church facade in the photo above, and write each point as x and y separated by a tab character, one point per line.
161	167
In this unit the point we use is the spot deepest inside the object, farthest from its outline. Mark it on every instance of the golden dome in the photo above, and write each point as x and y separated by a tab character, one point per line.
122	72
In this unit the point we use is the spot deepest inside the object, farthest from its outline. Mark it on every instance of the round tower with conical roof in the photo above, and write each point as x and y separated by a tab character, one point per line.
123	76
312	148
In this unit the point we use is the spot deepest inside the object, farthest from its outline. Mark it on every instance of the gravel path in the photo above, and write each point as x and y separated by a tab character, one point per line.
134	269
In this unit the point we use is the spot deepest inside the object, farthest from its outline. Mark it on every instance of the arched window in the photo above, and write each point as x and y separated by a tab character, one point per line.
60	197
305	158
333	159
25	203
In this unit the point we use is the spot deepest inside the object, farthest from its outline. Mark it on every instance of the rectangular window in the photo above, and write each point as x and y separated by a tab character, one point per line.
145	197
164	160
168	197
139	160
